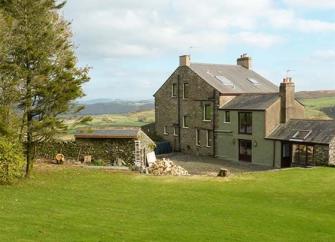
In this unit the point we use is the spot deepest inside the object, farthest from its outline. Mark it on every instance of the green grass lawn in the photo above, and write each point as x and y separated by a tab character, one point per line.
87	205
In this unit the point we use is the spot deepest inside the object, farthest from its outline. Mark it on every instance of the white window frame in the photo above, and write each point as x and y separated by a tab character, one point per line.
165	130
225	117
204	113
298	133
197	137
184	126
172	91
207	139
185	84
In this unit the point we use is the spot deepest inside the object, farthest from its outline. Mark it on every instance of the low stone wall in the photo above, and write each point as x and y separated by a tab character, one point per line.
106	150
321	155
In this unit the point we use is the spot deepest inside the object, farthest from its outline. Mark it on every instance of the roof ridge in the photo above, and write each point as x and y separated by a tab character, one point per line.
264	93
311	119
213	64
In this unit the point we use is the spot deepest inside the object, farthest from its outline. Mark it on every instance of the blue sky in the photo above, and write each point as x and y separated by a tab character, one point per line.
133	46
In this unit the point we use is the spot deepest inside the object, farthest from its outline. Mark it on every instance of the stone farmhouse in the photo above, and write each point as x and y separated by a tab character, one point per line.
233	113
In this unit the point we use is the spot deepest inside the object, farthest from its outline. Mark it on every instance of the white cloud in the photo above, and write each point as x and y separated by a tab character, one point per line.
115	28
128	30
258	39
321	4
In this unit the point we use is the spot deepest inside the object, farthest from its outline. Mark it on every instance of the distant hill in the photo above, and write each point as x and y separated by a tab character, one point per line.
105	106
315	94
108	106
319	104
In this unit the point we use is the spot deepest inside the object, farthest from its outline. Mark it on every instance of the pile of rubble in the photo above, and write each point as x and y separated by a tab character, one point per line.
167	168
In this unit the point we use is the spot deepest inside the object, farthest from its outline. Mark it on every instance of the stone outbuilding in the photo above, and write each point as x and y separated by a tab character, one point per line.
130	145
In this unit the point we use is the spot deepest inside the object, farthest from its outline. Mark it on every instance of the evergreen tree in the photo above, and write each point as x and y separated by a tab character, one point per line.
42	63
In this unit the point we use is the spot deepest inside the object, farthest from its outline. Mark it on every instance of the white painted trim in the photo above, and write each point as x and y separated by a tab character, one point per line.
207	139
165	130
185	127
225	117
172	91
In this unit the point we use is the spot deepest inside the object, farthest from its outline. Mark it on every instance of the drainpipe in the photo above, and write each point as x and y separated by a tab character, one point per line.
274	154
179	115
214	121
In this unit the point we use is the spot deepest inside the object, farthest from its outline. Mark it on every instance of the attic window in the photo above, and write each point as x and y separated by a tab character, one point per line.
253	81
302	134
225	81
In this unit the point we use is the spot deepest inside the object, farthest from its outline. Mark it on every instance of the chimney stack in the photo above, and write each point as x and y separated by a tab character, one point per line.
287	96
185	60
245	61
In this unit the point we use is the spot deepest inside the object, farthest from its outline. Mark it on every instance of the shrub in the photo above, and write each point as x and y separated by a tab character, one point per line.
98	163
11	162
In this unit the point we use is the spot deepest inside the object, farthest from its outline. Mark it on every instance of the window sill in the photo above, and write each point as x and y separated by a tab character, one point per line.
207	121
227	122
186	127
198	145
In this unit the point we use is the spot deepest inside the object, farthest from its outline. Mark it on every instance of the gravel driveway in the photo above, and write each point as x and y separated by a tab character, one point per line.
196	165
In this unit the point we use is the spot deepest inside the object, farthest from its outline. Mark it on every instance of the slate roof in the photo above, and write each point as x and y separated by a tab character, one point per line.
238	75
109	134
321	131
251	102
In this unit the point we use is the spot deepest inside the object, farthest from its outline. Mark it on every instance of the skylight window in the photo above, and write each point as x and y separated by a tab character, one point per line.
302	134
253	81
225	81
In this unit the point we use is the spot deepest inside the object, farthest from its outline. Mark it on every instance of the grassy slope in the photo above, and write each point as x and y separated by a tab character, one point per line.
85	205
116	120
315	106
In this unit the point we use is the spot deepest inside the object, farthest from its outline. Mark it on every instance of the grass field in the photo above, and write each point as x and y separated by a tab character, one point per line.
114	120
68	204
318	107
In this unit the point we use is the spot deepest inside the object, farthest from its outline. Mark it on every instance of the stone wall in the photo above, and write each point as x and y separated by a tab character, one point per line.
146	142
332	153
272	118
107	150
200	93
321	155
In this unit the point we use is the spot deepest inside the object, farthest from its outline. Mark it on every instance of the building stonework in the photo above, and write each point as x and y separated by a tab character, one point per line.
321	155
170	112
332	153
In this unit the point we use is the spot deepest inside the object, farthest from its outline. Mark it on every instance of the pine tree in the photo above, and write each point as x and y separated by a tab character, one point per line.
42	61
